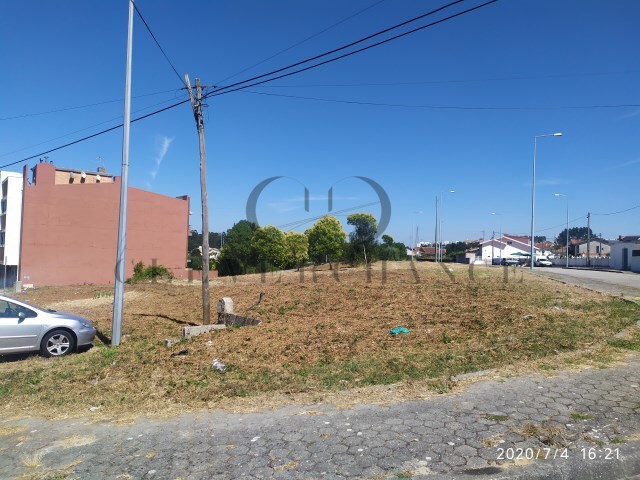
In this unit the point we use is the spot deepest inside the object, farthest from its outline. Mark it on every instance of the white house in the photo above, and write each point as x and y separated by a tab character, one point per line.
625	254
10	223
506	246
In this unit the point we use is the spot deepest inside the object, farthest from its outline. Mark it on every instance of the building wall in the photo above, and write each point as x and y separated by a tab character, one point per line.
616	256
10	217
593	248
501	250
69	231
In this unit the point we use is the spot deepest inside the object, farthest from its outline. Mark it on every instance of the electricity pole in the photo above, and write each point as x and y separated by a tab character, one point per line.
196	104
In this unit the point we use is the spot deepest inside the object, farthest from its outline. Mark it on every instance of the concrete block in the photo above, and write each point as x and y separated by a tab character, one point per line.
194	331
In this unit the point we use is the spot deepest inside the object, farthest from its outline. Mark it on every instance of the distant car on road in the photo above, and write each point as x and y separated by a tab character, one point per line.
509	261
543	262
27	328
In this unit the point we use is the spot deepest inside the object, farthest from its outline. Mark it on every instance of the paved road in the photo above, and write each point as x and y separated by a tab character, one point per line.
616	283
450	436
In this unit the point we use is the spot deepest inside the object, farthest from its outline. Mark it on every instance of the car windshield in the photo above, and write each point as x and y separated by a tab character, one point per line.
11	299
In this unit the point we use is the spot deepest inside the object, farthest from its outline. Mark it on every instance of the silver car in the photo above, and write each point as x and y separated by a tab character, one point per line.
26	328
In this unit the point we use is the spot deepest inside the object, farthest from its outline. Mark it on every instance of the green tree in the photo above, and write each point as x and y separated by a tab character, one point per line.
387	240
326	240
581	233
269	247
236	256
391	250
297	248
363	237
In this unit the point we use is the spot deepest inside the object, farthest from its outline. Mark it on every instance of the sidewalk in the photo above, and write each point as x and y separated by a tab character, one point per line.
450	436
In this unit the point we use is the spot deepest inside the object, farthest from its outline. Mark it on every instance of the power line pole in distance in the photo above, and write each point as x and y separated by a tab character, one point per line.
196	104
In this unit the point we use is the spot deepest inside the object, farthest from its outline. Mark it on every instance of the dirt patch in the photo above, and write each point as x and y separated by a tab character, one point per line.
101	298
324	337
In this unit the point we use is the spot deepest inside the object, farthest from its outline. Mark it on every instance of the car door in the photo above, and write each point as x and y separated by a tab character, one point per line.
20	328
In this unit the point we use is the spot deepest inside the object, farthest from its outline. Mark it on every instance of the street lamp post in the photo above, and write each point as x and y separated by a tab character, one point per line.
439	230
533	194
567	197
500	230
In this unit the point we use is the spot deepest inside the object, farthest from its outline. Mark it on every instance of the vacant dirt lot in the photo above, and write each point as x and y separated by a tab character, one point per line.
325	332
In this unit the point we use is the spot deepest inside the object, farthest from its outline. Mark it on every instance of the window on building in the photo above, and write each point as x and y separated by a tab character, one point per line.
635	253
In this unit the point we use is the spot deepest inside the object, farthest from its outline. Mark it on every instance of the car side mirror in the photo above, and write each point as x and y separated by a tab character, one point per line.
21	316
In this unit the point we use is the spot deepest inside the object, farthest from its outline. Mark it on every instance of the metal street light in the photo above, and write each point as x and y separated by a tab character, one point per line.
500	232
439	229
533	194
567	197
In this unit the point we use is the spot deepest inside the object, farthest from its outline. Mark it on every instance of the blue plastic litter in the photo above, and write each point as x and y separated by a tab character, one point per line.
398	330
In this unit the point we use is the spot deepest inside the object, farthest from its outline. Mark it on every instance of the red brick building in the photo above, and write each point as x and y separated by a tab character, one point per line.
70	227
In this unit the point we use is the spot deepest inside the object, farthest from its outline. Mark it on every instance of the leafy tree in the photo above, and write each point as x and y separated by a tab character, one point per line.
297	245
236	256
387	240
269	247
195	240
455	248
391	250
539	238
326	239
363	237
581	233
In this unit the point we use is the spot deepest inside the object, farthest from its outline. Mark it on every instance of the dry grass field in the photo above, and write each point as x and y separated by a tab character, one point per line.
323	334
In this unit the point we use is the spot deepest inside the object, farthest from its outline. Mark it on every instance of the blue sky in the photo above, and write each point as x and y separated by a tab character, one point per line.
533	55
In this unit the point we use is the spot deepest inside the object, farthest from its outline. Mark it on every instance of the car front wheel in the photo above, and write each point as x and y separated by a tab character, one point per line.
57	343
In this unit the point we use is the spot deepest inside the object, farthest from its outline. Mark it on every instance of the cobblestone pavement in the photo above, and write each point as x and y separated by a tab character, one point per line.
589	421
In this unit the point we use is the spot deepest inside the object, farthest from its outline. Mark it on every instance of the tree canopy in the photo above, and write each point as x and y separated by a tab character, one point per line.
581	233
326	239
363	237
236	255
297	246
269	248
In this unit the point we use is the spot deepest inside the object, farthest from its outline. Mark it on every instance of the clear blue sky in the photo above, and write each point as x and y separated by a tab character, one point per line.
527	54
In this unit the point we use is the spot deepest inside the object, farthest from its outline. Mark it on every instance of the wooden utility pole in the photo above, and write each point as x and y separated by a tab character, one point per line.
196	104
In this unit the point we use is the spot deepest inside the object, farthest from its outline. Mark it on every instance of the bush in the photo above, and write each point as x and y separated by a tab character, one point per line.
151	272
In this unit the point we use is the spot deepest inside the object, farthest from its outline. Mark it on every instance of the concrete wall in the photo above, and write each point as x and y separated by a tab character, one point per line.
602	262
69	231
616	256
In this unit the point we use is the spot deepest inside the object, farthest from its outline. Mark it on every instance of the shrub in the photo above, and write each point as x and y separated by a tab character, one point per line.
150	272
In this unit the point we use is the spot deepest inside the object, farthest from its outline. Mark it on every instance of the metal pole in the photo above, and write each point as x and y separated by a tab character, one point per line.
533	202
116	323
440	229
588	239
567	232
436	228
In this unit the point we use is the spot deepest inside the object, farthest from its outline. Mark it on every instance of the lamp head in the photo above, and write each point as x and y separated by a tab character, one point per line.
559	134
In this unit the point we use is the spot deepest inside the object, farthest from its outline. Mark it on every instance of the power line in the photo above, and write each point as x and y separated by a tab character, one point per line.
335	50
218	91
303	41
377	44
77	107
94	135
439	107
83	129
440	82
157	43
616	213
298	223
563	224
